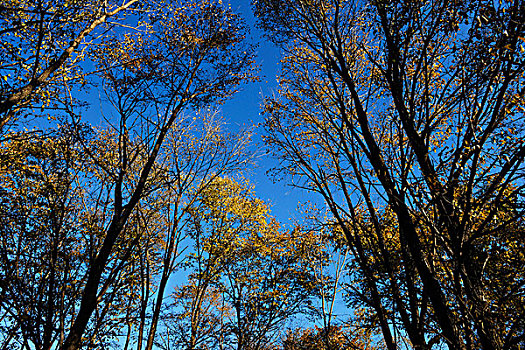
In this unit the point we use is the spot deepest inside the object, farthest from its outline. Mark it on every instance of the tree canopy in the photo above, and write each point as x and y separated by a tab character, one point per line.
402	122
407	119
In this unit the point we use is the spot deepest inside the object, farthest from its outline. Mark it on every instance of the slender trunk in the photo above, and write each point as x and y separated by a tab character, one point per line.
144	297
156	312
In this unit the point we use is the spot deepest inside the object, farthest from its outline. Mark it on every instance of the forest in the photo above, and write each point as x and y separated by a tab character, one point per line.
130	218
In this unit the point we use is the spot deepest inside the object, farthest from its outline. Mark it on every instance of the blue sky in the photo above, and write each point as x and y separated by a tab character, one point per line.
244	110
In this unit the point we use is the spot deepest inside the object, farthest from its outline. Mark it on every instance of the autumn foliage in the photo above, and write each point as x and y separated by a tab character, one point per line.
128	219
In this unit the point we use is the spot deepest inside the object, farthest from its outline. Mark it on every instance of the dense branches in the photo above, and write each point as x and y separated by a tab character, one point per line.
187	57
408	119
43	44
405	118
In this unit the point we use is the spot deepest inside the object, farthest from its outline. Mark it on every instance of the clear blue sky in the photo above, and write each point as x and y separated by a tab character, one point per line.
244	110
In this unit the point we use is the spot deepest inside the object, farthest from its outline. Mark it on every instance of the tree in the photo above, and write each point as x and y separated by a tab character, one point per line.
326	263
407	118
192	165
247	276
190	56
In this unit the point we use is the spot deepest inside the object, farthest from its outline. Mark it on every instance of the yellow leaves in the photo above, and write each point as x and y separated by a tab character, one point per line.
230	201
238	226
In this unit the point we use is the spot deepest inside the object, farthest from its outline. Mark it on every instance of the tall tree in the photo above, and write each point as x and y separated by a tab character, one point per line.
407	118
189	56
193	56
